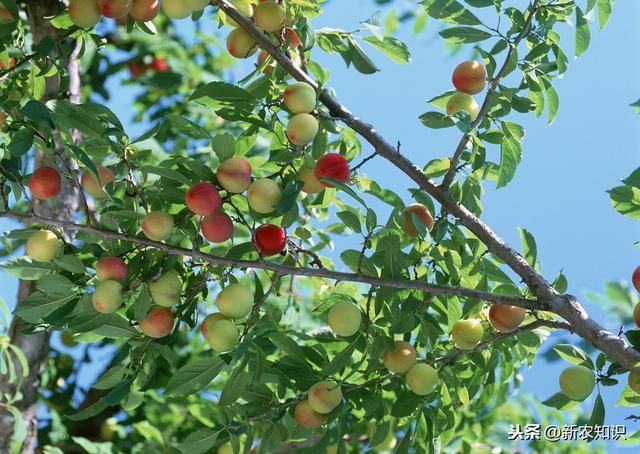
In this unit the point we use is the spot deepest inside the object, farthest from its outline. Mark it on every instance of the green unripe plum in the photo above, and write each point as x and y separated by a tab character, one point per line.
225	448
196	5
300	97
109	428
311	184
241	44
84	13
462	101
243	6
467	333
235	301
324	396
269	16
234	174
43	246
345	318
165	291
158	322
400	359
302	128
220	333
577	382
263	195
307	417
157	225
108	297
176	9
634	379
422	379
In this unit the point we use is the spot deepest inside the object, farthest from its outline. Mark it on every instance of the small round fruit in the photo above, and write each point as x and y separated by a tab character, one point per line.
220	333
300	97
43	246
107	297
262	57
115	8
461	101
84	13
345	318
307	417
241	44
263	195
157	225
577	382
401	359
235	301
467	333
145	10
45	183
269	16
91	184
311	184
158	322
332	165
302	128
634	379
422	379
111	269
234	174
244	6
165	291
203	198
505	318
635	278
270	239
469	77
324	396
196	5
175	9
217	227
422	213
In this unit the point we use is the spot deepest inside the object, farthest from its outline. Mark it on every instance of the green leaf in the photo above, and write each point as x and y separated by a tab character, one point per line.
510	157
626	200
604	12
21	142
560	401
529	248
340	360
351	220
574	355
194	376
436	120
598	412
70	263
166	172
235	386
199	442
224	146
393	48
553	102
360	59
287	345
583	35
111	377
464	35
188	127
450	11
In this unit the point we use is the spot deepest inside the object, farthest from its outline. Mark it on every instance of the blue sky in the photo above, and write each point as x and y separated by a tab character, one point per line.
558	193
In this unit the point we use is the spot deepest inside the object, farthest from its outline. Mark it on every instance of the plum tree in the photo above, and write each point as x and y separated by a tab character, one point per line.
234	174
107	296
422	379
634	379
263	195
235	301
269	16
157	225
166	290
145	10
577	382
332	165
467	333
158	322
217	227
469	77
241	44
422	213
220	333
270	239
307	417
196	5
115	8
311	184
506	318
203	198
324	396
95	186
302	128
84	13
111	268
244	6
401	358
300	97
43	246
635	278
344	318
45	183
176	9
462	102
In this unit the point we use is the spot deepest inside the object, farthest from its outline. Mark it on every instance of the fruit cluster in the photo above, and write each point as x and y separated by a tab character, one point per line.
469	78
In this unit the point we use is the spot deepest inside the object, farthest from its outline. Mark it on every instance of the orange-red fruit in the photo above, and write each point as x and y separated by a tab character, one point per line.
203	198
332	165
136	69
160	64
217	227
111	268
115	8
241	44
422	213
469	77
45	183
635	278
234	174
145	10
158	322
291	38
270	239
307	417
506	318
94	187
